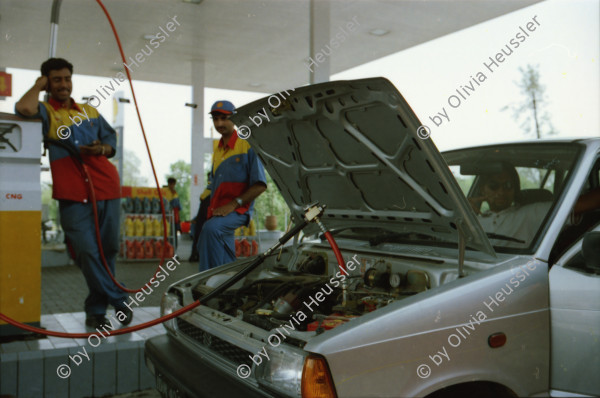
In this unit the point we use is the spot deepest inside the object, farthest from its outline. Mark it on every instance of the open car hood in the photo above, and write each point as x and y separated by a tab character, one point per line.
353	146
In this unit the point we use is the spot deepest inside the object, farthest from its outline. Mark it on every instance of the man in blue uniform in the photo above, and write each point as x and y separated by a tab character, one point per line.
236	179
82	128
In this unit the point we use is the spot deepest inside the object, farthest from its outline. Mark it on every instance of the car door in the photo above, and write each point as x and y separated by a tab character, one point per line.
575	325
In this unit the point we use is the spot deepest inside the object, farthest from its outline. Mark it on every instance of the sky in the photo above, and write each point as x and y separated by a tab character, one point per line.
565	47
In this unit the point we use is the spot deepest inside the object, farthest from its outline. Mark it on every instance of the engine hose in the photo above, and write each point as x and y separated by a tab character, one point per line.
336	251
340	260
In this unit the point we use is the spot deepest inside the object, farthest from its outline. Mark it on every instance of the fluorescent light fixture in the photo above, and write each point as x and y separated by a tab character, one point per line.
379	32
148	37
255	84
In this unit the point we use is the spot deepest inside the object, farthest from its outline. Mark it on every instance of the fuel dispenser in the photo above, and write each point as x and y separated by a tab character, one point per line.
20	222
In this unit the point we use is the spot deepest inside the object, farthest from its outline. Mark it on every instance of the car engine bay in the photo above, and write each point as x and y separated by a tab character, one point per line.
313	293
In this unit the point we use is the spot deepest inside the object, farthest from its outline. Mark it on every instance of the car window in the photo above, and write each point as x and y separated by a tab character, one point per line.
550	180
536	178
465	182
584	216
513	188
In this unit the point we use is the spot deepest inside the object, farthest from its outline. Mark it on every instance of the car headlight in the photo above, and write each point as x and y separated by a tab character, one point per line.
169	303
282	372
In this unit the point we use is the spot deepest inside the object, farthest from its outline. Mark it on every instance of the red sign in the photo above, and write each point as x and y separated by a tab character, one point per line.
5	84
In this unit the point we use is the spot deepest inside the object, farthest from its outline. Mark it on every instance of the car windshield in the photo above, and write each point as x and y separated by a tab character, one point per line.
513	188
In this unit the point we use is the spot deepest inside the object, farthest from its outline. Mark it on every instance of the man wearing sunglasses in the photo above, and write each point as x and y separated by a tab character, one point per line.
236	179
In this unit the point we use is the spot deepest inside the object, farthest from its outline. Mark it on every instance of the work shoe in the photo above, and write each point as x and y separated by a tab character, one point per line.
128	315
95	321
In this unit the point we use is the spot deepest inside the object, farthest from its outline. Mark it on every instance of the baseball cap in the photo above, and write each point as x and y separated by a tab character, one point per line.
225	107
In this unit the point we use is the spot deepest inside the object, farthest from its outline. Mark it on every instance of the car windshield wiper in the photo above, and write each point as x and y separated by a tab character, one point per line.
503	237
356	232
400	236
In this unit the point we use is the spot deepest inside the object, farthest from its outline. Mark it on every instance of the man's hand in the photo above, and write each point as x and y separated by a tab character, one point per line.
475	203
226	209
247	197
28	104
95	149
41	83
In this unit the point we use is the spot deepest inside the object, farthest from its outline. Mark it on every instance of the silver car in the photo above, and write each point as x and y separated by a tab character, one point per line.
470	273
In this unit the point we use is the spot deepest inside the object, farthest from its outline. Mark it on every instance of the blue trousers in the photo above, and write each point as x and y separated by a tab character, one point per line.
216	245
77	221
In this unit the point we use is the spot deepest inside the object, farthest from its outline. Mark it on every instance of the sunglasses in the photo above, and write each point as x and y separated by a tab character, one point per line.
494	186
219	117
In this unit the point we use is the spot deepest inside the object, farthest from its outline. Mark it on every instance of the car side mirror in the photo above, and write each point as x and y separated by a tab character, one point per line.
590	249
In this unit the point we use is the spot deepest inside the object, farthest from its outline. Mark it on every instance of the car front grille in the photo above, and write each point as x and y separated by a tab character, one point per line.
219	346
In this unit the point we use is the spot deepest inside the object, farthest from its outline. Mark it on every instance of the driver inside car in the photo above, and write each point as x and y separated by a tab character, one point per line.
516	223
512	222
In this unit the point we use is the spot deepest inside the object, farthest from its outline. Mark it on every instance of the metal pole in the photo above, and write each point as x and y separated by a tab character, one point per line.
54	27
53	34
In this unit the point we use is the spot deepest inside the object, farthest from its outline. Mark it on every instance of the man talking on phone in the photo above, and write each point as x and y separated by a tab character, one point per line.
76	133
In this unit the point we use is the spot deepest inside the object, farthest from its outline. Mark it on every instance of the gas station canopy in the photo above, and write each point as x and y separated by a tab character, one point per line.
254	45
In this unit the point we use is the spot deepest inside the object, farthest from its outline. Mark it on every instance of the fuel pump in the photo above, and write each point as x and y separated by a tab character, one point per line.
20	222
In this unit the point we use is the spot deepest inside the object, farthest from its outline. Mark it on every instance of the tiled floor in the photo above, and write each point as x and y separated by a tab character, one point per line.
75	323
115	365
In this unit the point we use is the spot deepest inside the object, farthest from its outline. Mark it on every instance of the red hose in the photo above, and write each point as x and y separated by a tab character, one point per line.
336	251
112	333
91	187
189	307
330	239
99	241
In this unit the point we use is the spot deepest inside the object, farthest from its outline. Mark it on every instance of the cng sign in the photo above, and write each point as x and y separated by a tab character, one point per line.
20	199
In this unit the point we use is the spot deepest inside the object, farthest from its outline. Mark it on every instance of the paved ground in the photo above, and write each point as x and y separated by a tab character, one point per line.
64	288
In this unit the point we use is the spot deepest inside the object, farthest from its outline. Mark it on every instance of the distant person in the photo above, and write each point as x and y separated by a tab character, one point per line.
197	224
236	179
174	203
93	138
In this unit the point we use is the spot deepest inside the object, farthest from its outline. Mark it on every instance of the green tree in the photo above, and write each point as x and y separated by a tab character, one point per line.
532	109
182	172
47	200
131	171
270	202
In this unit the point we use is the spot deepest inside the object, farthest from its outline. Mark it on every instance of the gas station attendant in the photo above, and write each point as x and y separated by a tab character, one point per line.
236	179
92	139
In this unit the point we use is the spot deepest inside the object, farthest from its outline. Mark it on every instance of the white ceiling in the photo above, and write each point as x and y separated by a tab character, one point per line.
241	41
